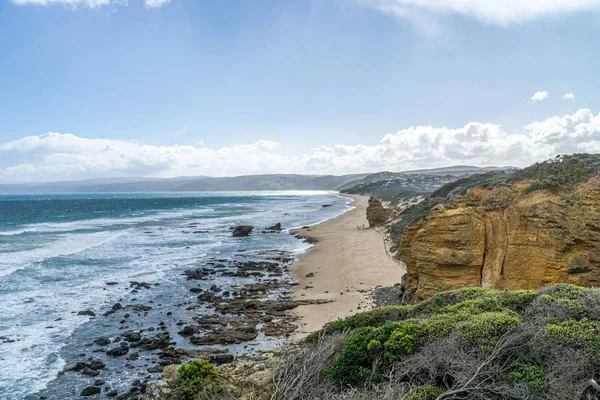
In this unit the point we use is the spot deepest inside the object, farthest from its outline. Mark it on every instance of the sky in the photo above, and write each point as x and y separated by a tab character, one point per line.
163	88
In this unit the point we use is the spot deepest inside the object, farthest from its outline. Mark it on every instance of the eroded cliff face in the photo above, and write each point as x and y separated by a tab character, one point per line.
502	238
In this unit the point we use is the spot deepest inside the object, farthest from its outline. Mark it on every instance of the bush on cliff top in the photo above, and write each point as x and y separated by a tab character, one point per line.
552	174
471	343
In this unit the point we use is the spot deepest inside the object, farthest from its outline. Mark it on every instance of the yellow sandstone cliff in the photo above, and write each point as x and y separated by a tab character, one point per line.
506	238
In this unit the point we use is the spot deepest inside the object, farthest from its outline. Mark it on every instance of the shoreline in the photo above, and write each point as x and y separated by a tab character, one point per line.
344	265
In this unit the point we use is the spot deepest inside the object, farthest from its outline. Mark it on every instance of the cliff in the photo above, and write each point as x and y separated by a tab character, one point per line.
512	232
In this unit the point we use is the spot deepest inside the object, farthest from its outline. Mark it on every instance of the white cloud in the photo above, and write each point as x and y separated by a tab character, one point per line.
89	3
569	96
71	3
57	156
539	96
156	3
488	11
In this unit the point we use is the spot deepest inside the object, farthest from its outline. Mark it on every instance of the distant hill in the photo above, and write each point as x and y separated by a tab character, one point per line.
426	180
187	184
458	170
394	186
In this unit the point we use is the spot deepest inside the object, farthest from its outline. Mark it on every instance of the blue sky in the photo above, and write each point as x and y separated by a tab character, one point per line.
305	74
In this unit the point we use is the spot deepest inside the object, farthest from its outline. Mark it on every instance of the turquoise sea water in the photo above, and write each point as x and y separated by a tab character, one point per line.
57	252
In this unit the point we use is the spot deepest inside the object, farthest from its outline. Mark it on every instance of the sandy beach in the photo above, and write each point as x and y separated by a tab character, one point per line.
347	263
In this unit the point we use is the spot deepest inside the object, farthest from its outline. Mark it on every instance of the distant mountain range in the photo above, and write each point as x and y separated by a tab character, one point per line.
237	183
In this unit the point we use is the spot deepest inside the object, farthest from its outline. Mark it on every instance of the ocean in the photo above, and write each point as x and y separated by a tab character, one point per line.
62	254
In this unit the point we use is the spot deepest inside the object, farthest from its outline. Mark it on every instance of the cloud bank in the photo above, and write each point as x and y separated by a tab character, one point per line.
57	156
501	13
423	12
88	3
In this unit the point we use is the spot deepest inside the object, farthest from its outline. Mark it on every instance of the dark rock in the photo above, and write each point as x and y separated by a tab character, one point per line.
132	336
187	330
96	364
90	372
90	391
138	307
103	341
226	336
75	367
276	227
155	369
160	341
118	351
99	382
242	230
310	275
220	359
89	313
139	285
117	307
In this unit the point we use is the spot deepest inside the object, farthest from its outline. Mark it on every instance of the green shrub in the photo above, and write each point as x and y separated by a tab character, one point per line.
355	363
487	328
567	291
427	392
530	374
474	300
402	339
197	376
370	351
537	185
376	317
559	171
574	334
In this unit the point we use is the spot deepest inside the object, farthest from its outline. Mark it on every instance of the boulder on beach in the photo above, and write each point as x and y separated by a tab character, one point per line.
242	230
376	213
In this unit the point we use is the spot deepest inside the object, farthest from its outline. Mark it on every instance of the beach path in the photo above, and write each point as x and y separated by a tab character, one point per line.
347	263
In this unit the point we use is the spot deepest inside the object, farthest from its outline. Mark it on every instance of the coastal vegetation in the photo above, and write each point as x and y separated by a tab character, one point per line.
197	378
471	343
466	344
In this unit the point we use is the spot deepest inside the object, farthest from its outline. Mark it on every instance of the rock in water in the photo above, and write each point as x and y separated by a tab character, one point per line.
242	230
118	351
376	213
90	391
88	313
276	227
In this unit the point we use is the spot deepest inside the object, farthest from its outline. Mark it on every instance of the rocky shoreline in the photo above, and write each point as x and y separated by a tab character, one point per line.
226	322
